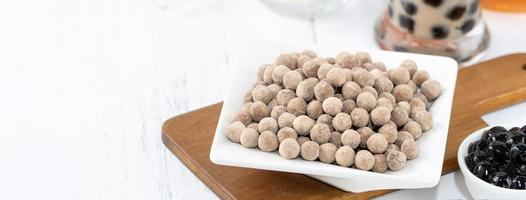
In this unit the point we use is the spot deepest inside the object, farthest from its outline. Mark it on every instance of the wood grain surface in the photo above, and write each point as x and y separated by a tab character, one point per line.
482	88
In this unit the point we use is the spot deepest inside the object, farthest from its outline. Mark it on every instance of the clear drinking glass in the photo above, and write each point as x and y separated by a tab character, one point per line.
452	28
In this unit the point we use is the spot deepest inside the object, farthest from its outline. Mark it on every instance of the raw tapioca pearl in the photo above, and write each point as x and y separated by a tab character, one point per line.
473	7
456	13
407	23
434	3
467	26
409	7
439	32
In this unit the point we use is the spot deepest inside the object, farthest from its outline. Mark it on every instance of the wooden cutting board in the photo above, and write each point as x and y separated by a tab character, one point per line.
480	89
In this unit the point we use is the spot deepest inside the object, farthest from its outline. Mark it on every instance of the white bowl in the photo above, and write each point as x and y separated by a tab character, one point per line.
422	172
478	188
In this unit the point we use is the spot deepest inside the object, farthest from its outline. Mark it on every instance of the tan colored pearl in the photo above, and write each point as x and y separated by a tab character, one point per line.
289	148
303	124
364	160
327	153
310	150
377	143
268	141
344	156
249	138
320	133
396	160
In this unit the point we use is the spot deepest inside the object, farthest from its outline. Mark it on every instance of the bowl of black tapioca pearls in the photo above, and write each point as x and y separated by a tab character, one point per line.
493	162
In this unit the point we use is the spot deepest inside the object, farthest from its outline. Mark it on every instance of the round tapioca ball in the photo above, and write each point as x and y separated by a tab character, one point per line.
342	121
297	106
336	77
268	141
413	128
326	119
359	117
233	131
327	152
348	74
243	116
424	118
422	97
363	57
314	109
259	110
350	138
287	60
364	160
284	96
380	163
272	104
370	90
262	93
402	93
399	75
399	116
365	133
324	69
291	79
377	74
311	67
286	119
346	60
261	71
396	160
323	90
410	149
300	71
302	59
420	77
409	65
404	106
303	124
309	52
331	60
383	85
416	103
253	126
380	65
366	101
267	74
351	90
377	143
380	116
384	102
336	139
246	106
303	139
391	147
310	150
344	156
305	90
402	137
412	85
287	132
363	77
295	55
249	138
289	148
389	131
279	72
368	66
332	106
431	89
348	105
277	111
268	124
389	96
320	133
248	96
274	89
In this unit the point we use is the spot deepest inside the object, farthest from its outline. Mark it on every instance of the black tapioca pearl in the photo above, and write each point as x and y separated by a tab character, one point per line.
409	7
407	23
439	32
434	3
456	13
390	11
467	26
473	7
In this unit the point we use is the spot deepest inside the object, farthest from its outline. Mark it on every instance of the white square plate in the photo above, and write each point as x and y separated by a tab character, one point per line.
421	172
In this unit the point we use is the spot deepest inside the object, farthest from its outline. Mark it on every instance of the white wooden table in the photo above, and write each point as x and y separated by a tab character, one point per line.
85	85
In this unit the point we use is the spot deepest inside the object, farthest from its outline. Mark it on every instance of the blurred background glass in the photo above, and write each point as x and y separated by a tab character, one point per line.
304	8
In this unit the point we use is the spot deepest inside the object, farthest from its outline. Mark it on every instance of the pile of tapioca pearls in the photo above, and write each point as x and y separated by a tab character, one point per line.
346	110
